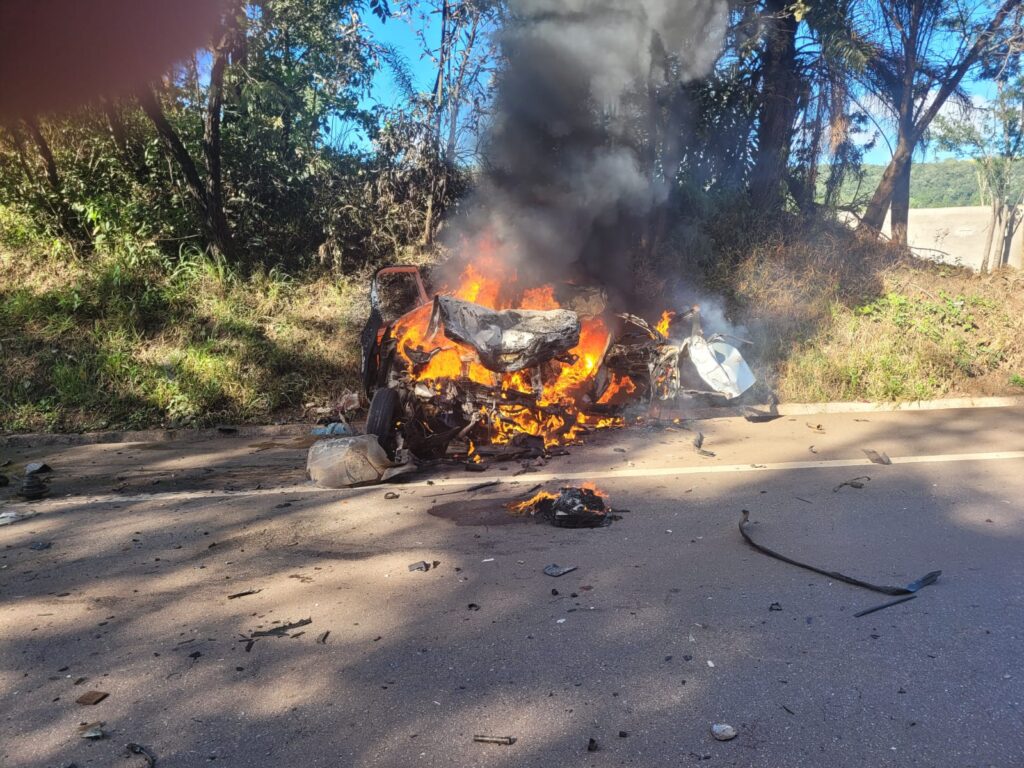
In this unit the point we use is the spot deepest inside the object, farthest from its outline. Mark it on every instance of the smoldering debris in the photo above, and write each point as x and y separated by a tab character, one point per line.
569	508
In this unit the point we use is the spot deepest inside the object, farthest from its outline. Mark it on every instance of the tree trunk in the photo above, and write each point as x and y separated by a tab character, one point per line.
900	206
208	195
172	143
67	220
435	151
217	221
778	108
993	225
874	215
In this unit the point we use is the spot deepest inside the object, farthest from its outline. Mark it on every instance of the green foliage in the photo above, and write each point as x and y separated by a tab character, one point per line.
111	343
944	184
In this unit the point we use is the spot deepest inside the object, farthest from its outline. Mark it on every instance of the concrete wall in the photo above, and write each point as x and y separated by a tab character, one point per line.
955	235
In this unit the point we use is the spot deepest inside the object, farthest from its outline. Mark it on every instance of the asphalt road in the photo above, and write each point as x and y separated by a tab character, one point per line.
665	628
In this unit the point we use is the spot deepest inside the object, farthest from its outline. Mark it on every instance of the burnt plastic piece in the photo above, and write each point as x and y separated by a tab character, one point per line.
911	588
573	508
508	340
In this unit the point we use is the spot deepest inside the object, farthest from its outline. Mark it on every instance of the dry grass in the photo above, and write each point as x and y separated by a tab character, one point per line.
837	318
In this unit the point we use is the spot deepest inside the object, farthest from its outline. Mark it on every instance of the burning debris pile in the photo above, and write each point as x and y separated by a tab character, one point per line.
488	363
570	508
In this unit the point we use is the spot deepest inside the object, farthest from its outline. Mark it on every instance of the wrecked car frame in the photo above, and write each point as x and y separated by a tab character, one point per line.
483	376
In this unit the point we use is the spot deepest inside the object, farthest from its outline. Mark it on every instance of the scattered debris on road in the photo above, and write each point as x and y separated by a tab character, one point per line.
37	468
571	507
698	445
876	457
883	606
914	586
280	631
32	487
755	416
322	637
91	697
138	749
347	462
506	740
857	482
334	429
39	546
91	731
422	565
559	570
592	745
775	607
815	428
6	518
246	593
723	732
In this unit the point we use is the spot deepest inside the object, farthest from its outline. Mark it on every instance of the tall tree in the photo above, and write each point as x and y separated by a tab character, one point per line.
780	92
992	135
923	51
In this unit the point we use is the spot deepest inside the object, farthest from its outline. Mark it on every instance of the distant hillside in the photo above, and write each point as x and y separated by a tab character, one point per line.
932	185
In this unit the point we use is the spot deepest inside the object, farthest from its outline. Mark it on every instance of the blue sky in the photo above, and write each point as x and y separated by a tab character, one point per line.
399	33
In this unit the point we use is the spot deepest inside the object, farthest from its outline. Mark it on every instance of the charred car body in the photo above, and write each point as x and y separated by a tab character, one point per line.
441	368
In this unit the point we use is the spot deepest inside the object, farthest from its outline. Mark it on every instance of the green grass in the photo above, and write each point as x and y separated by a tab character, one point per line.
133	343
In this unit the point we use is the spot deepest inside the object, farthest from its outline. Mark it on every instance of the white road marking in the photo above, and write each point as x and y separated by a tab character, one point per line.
526	479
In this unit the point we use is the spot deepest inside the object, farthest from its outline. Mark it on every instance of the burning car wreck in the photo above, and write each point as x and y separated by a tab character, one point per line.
495	369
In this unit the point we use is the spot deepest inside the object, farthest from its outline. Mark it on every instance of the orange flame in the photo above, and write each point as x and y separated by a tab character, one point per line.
666	322
557	417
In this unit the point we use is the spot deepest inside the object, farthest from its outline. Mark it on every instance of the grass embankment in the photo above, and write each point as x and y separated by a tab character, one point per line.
838	319
113	342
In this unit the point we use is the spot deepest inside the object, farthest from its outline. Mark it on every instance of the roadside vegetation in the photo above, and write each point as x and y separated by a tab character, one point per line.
112	342
197	251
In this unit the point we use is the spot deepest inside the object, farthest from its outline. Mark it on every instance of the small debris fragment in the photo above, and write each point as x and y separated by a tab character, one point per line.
592	745
711	664
775	607
857	482
91	697
4	481
32	487
472	607
39	546
559	570
6	518
36	468
506	740
422	565
138	749
891	603
91	731
723	732
322	637
280	631
390	495
876	457
698	443
226	431
246	593
623	734
815	427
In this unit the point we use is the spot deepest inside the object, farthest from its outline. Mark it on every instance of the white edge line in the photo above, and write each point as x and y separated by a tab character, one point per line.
545	477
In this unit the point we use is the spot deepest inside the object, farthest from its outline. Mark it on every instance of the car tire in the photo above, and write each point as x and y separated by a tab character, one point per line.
381	418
